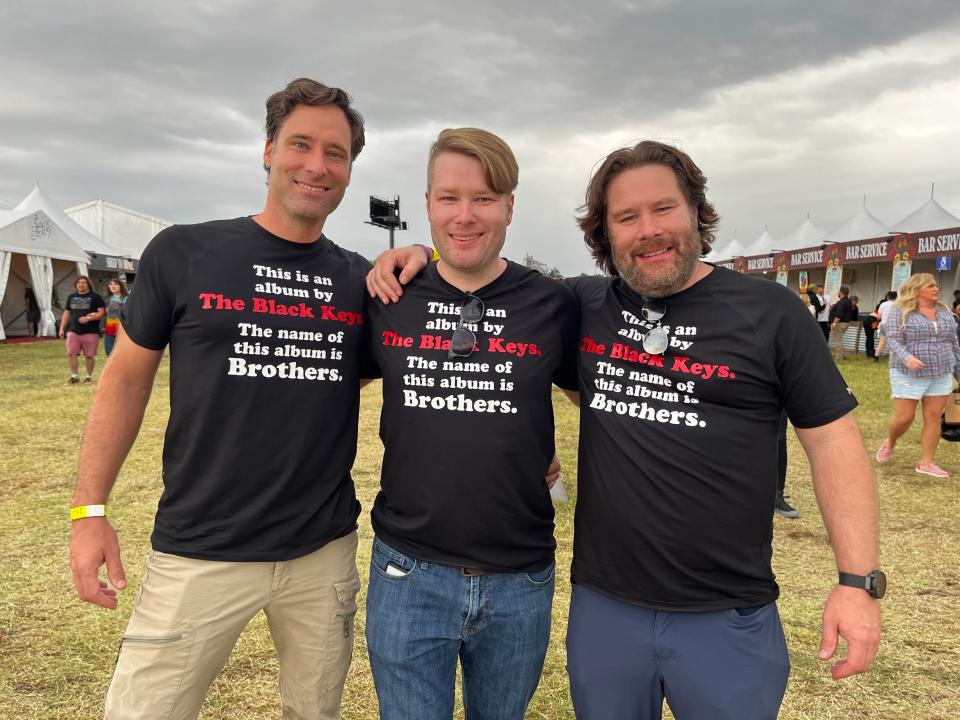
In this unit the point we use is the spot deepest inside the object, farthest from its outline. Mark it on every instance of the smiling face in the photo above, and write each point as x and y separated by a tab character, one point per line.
468	220
309	162
82	286
652	230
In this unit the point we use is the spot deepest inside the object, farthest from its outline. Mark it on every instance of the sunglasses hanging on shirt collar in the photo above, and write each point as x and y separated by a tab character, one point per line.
656	340
464	340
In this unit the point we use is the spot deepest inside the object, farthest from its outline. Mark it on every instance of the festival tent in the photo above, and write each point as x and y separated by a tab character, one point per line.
39	248
732	249
126	229
807	234
862	226
38	200
930	216
44	249
762	245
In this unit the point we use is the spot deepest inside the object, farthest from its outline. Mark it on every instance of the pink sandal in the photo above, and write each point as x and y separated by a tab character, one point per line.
884	453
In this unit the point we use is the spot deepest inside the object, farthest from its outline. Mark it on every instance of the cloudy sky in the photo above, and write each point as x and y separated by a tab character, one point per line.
789	108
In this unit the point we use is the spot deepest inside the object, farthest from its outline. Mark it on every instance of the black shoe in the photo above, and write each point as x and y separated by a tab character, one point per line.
785	509
74	379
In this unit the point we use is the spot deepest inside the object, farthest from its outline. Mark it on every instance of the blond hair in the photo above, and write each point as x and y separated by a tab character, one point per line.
907	297
500	170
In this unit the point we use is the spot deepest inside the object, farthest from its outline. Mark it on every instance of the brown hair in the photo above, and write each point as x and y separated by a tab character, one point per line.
304	91
692	182
83	277
118	281
500	168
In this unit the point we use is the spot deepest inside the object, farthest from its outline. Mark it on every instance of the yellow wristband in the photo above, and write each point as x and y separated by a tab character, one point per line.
431	253
85	511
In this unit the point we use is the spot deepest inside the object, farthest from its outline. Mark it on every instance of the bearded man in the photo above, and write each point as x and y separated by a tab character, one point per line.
685	369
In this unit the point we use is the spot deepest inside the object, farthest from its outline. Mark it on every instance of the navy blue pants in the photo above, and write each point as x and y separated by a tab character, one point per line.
623	660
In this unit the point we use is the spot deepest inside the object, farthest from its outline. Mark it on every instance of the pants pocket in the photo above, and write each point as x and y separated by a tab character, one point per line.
152	662
341	630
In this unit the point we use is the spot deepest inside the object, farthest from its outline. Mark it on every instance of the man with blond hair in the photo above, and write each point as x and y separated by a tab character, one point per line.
463	559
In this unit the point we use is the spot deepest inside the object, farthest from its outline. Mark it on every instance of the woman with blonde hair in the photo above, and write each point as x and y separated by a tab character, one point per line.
924	359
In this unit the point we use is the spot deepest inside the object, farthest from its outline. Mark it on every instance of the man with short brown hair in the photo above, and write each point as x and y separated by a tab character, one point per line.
263	317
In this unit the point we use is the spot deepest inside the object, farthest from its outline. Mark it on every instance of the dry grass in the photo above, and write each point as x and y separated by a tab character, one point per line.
57	655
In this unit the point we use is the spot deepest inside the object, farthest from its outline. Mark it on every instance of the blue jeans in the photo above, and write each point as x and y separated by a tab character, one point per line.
623	660
422	617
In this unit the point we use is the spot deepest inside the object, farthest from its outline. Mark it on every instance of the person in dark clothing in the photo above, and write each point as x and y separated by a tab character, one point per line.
783	508
33	312
870	324
841	314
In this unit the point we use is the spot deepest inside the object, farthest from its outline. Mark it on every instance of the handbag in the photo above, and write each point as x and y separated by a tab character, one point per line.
950	420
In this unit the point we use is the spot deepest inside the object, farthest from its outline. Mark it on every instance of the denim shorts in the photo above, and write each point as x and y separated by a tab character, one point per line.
907	387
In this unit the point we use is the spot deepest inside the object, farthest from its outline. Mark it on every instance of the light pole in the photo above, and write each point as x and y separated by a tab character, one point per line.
386	214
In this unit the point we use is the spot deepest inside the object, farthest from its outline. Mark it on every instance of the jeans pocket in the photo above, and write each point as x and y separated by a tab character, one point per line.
542	577
390	563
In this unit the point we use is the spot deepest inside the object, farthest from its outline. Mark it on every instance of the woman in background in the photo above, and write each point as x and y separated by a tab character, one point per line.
924	359
117	296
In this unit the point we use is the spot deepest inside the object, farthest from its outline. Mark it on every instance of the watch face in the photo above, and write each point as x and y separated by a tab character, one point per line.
879	584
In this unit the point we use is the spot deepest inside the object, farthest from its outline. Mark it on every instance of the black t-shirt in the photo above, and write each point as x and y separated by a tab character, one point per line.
467	441
267	341
80	305
843	310
678	452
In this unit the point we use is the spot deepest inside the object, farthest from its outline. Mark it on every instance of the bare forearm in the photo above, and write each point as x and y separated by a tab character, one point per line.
112	425
846	492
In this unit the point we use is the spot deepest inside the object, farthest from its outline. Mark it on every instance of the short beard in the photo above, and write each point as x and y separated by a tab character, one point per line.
663	284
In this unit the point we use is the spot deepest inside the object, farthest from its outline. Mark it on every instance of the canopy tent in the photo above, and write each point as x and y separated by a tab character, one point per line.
807	234
762	244
40	247
862	226
732	249
99	250
930	216
121	227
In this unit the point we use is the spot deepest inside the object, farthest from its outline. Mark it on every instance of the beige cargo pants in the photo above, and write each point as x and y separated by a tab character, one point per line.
189	613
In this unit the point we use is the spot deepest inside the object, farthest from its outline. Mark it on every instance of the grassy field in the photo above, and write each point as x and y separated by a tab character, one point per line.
57	654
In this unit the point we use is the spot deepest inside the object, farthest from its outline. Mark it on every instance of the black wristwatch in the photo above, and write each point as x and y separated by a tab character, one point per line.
875	583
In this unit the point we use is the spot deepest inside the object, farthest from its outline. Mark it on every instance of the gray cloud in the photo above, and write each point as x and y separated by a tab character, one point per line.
160	108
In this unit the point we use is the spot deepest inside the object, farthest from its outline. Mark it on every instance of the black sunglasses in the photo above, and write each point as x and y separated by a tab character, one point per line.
656	339
464	340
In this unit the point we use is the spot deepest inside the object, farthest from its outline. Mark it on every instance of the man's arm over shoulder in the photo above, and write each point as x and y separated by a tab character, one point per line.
112	426
847	495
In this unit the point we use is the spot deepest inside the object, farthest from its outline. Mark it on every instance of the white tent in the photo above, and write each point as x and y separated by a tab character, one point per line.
807	234
862	226
126	229
732	249
930	216
763	245
40	247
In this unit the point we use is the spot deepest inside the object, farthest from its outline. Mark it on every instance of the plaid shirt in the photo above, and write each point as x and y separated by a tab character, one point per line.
935	345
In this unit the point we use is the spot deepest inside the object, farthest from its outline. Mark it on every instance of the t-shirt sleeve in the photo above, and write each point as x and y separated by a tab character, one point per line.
147	316
812	389
98	303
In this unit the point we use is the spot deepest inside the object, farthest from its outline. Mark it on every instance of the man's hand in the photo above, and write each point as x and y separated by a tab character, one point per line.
852	614
553	472
383	283
93	542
